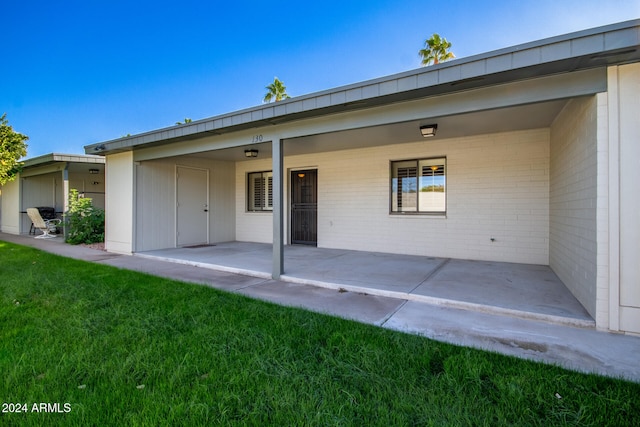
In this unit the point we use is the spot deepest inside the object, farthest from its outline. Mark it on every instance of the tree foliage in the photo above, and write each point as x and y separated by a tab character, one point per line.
276	90
85	223
12	147
436	50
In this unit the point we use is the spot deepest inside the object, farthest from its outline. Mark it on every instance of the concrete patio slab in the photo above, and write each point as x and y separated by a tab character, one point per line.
521	290
371	270
253	259
520	287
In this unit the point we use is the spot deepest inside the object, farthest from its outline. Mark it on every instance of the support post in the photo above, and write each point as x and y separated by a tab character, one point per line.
613	126
65	198
278	208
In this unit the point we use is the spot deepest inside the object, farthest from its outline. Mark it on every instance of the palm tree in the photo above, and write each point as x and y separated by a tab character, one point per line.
436	50
276	90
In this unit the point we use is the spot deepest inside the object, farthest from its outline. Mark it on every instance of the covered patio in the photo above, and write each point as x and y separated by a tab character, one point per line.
518	290
45	182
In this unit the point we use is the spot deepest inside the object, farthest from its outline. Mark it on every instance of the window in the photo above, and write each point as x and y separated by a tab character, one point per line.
260	191
419	186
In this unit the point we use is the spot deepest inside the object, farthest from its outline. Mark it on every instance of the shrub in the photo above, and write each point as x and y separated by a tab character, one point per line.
85	223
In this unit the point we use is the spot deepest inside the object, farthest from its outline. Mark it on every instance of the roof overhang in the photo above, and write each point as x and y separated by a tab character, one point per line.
51	158
595	48
57	163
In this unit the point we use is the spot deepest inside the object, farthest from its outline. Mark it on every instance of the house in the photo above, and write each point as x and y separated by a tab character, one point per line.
535	159
45	181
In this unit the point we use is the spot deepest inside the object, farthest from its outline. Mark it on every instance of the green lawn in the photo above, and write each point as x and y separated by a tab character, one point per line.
124	348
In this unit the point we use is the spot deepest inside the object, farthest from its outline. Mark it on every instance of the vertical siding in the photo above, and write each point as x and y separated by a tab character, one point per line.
41	190
497	187
84	182
156	198
10	209
155	205
573	199
222	202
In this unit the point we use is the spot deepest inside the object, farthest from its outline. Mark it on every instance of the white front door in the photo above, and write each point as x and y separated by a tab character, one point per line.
192	206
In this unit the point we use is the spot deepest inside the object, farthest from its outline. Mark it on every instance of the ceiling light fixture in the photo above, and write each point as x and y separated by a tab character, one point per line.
428	131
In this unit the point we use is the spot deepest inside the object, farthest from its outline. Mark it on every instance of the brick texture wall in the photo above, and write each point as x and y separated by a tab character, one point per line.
572	212
497	187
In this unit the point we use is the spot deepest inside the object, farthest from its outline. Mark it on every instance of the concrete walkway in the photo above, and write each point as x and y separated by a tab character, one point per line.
424	309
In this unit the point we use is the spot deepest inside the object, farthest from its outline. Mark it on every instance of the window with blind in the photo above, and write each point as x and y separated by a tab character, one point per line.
419	186
260	191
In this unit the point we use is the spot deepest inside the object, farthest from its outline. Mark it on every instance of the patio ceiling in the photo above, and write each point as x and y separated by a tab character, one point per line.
531	116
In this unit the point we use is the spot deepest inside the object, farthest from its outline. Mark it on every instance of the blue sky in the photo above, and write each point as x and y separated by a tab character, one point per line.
79	72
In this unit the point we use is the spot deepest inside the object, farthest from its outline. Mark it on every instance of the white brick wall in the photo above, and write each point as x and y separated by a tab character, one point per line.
251	226
497	187
572	212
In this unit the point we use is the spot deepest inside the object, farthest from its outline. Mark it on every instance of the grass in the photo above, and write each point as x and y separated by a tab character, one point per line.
124	348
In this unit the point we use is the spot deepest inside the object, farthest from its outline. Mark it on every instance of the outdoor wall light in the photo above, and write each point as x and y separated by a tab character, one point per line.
251	153
428	131
94	171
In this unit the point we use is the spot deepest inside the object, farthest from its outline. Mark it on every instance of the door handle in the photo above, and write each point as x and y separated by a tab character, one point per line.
206	210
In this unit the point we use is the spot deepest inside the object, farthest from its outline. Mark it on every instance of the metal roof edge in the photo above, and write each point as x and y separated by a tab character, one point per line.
59	157
556	48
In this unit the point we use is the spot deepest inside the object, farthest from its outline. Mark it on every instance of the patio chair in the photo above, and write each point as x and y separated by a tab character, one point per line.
46	213
44	225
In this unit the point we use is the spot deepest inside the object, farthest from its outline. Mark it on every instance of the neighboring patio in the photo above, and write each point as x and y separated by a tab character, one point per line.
519	290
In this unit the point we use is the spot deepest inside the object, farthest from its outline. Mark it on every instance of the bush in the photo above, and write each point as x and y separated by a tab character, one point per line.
85	223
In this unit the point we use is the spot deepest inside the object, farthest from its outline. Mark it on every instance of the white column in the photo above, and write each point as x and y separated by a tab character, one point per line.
119	206
278	208
11	205
614	201
629	207
65	195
